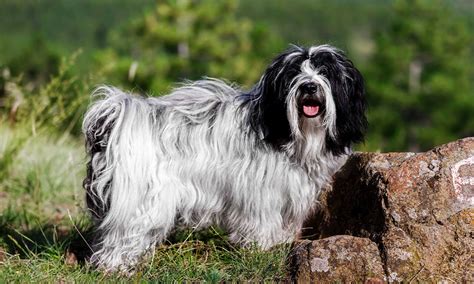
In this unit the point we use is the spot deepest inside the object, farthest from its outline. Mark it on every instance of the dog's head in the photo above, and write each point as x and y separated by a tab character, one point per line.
311	91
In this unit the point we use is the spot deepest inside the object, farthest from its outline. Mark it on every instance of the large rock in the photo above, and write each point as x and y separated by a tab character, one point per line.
342	258
417	208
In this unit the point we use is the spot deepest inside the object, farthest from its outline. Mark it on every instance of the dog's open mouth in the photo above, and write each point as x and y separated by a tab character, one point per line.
311	108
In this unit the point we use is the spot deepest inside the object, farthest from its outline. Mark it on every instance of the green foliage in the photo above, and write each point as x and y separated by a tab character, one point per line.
8	155
40	167
419	81
188	40
64	25
59	104
43	61
346	24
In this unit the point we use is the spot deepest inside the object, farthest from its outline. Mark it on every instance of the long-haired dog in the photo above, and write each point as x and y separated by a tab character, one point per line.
250	162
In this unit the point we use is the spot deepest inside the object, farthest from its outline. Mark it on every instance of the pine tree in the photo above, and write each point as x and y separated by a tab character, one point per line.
187	39
420	81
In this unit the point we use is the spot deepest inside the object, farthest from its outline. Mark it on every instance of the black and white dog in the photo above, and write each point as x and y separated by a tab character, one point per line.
208	153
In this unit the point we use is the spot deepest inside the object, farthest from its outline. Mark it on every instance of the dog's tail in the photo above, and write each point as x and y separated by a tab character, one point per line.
117	129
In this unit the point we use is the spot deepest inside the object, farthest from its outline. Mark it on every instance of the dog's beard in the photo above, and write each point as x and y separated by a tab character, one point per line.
309	133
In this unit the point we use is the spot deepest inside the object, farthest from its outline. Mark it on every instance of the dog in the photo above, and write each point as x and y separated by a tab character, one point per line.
252	162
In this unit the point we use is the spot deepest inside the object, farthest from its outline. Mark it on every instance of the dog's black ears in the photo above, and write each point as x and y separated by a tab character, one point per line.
269	113
277	78
351	106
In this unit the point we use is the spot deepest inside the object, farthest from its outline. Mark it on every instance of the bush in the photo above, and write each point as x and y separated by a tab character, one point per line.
58	105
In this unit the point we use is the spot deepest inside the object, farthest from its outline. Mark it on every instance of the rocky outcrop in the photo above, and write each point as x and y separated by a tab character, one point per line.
397	217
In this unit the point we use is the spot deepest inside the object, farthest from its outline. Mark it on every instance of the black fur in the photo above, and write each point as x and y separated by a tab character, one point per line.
268	98
95	145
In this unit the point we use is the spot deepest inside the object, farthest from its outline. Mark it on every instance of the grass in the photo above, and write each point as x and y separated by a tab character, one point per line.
45	233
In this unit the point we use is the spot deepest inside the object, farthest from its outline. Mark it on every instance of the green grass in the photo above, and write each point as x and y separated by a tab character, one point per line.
45	233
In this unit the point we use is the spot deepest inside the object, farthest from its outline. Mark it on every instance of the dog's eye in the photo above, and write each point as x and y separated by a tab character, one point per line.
323	71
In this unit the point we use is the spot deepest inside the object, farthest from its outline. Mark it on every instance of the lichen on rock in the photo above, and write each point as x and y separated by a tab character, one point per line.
404	216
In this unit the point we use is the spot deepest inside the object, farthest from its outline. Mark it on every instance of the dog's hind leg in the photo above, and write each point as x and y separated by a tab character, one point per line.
123	242
132	209
132	225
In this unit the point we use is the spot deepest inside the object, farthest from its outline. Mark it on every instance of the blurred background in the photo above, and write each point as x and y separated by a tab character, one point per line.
416	56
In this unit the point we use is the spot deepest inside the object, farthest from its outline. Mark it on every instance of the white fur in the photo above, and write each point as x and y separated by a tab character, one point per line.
191	158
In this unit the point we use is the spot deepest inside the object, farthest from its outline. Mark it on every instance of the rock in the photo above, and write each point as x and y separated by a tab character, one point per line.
70	259
418	209
342	258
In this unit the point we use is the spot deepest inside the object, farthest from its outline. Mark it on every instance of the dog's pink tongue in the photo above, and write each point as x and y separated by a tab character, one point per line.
311	110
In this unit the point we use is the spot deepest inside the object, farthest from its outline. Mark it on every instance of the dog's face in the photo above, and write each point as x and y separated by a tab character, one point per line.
309	90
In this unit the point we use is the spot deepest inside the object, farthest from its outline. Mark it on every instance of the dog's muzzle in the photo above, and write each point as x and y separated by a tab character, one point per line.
311	101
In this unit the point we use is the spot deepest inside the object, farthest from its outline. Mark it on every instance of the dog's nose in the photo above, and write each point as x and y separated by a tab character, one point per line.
309	88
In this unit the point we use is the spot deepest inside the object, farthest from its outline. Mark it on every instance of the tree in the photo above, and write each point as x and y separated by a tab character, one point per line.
419	84
187	39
